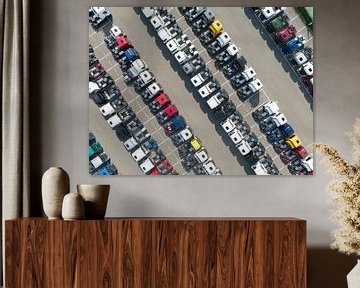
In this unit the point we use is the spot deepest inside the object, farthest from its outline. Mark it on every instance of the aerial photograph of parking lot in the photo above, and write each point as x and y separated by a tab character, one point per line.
200	90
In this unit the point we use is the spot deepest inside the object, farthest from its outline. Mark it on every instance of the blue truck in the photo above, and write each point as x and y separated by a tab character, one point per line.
294	45
177	124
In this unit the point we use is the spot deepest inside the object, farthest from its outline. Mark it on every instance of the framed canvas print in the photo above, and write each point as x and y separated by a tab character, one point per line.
200	90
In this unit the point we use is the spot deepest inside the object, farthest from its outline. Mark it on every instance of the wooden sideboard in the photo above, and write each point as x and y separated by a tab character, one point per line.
156	252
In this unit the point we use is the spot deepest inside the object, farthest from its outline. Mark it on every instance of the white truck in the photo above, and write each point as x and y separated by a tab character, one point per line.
236	136
186	54
130	144
243	77
220	42
267	109
217	99
143	79
168	33
209	88
178	44
147	166
135	69
259	168
306	69
201	155
302	56
149	11
151	91
182	136
201	78
250	88
225	56
162	21
268	13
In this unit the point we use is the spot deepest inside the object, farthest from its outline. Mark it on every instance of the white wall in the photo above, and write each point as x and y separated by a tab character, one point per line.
60	126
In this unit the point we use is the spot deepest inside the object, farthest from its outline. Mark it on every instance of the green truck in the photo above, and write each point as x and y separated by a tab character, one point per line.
306	14
95	149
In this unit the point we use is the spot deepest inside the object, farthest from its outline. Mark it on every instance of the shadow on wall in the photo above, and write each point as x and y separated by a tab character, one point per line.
328	268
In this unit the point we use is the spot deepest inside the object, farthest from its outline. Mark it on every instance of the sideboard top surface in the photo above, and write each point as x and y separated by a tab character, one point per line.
175	219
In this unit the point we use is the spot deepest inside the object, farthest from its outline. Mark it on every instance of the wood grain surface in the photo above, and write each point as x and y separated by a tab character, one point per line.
169	253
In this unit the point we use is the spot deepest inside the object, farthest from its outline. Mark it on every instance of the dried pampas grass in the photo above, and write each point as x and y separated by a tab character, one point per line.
345	191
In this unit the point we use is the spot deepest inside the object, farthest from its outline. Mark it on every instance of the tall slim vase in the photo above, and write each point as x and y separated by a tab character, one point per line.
55	185
353	278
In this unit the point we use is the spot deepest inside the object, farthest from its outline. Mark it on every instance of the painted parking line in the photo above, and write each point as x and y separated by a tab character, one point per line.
292	19
208	62
194	40
112	67
137	97
172	8
106	55
309	39
247	114
122	91
180	18
217	71
303	28
176	163
97	46
92	34
186	29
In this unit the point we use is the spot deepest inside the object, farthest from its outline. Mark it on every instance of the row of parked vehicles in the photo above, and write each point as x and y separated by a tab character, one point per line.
121	118
276	22
136	73
282	136
220	48
239	74
241	77
99	161
217	99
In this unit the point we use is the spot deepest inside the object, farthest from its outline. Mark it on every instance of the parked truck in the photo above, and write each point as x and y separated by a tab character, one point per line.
135	69
225	56
142	80
264	111
178	44
218	99
219	44
250	88
240	79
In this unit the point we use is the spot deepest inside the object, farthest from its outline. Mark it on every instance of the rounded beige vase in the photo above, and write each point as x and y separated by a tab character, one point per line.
73	207
55	185
96	198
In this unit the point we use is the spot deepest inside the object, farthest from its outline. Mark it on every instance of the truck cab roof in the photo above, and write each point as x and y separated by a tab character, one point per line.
255	85
147	166
259	169
248	73
201	155
115	31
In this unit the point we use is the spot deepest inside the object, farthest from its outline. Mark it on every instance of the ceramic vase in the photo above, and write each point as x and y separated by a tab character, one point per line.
96	198
55	185
353	278
73	207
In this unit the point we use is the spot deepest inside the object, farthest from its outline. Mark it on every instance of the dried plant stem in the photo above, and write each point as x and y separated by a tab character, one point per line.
345	191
